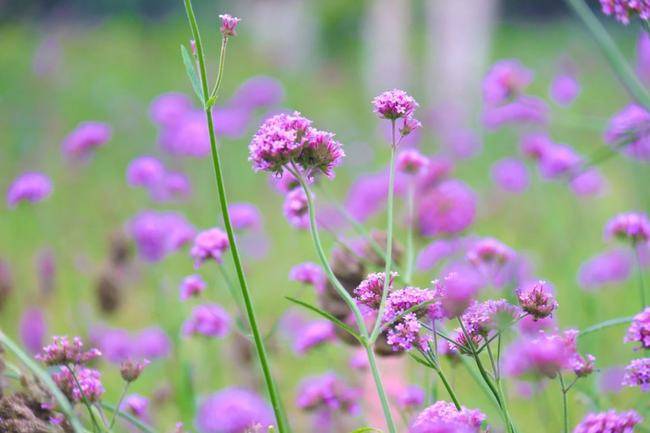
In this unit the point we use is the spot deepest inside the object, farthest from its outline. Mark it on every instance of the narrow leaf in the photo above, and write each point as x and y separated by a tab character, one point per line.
191	73
604	325
129	418
328	316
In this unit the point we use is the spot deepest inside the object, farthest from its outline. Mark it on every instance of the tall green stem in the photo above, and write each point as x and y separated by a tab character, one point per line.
409	233
448	387
565	408
389	236
223	201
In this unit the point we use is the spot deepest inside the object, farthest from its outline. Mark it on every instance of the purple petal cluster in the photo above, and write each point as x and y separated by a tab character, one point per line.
639	330
410	397
637	374
536	298
443	416
136	405
209	320
33	328
85	138
119	345
565	88
313	334
490	251
258	92
505	80
245	216
629	132
228	25
65	351
511	175
610	267
482	317
369	291
622	10
80	383
631	226
544	355
192	286
233	410
309	273
157	234
411	161
209	244
327	391
31	187
394	104
296	209
455	292
609	422
525	110
449	208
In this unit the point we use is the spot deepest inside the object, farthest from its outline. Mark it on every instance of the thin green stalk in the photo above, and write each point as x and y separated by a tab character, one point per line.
223	201
409	232
639	269
372	362
565	409
222	61
604	325
119	403
616	60
448	387
389	237
84	400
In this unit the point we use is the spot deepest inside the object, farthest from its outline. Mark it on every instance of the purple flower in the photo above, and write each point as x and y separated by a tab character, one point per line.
31	186
456	292
639	330
136	405
173	186
33	329
209	244
631	226
643	57
188	136
583	366
535	145
86	137
156	234
565	88
537	299
232	410
369	291
637	373
258	92
411	396
85	384
448	208
296	209
313	334
64	351
116	344
309	273
609	422
511	175
558	160
490	251
327	391
228	25
610	267
622	9
409	124
629	132
522	111
411	161
443	417
587	183
610	380
368	193
231	121
209	320
145	171
545	355
435	252
192	286
404	333
245	216
131	370
284	182
505	80
394	104
152	343
482	317
168	108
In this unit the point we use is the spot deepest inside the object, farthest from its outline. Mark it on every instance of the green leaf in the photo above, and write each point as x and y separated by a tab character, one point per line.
191	73
420	360
604	325
129	418
328	316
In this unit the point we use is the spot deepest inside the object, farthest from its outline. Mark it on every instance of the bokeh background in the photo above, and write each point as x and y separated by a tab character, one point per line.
63	62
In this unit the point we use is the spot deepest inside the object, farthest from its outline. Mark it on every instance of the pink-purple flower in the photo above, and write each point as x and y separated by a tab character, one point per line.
192	286
157	234
610	267
86	137
536	298
564	89
505	80
30	187
313	334
136	405
609	422
629	132
411	161
209	244
369	291
394	104
623	9
66	351
444	417
296	209
309	273
233	410
80	383
449	208
639	330
511	175
209	320
637	374
228	25
245	216
631	226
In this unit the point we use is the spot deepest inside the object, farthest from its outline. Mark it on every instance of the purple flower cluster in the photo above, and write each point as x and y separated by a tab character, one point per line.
632	226
609	422
490	251
31	187
447	209
639	330
629	132
536	299
511	175
209	320
612	266
157	234
136	405
163	185
404	333
328	392
394	104
313	334
637	373
209	244
482	317
119	345
411	161
369	291
410	397
192	286
296	209
233	410
623	9
64	351
228	25
505	80
245	216
443	417
87	136
79	383
455	292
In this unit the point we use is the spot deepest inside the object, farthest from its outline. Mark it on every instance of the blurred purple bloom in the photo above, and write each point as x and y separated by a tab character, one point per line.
522	111
367	195
173	186
283	183
639	330
296	209
228	25
188	136
448	208
327	391
209	320
30	186
33	329
152	343
86	137
480	318
411	161
169	108
443	417
535	145
609	422
544	355
245	216
309	273
313	334
565	88
136	405
230	122
157	234
145	171
643	57
258	92
462	143
192	286
629	132
558	160
529	325
630	226
209	244
612	266
435	252
611	380
511	175
457	290
587	183
505	80
232	410
410	397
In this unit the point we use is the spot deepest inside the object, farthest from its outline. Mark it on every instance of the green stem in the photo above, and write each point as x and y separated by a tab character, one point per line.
389	237
223	201
119	403
639	269
222	60
603	325
448	387
608	46
84	400
565	409
372	362
409	232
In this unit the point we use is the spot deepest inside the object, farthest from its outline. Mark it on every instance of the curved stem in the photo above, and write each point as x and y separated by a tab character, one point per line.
223	201
604	325
222	60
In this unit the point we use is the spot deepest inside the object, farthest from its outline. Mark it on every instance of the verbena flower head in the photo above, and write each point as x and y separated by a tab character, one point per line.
296	209
564	89
637	373
623	9
409	124
639	330
449	208
228	25
233	410
31	187
535	145
536	299
583	366
629	132
610	267
209	244
435	252
558	160
370	290
405	333
609	422
313	334
411	161
631	226
33	329
455	292
394	104
168	108
286	138
443	414
398	301
511	175
64	351
589	182
482	317
209	320
245	216
131	370
152	343
86	137
157	234
258	92
505	80
136	405
542	356
309	273
524	110
85	384
145	171
329	392
192	286
410	397
490	251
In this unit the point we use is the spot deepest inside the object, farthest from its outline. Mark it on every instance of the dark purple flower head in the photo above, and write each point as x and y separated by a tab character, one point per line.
209	244
637	373
192	286
505	80
86	137
31	186
313	334
228	25
449	208
411	161
623	9
296	209
536	298
612	266
370	290
629	132
33	329
64	351
394	104
631	226
209	320
145	171
410	397
258	92
639	330
443	417
328	392
609	422
85	384
233	410
309	273
565	88
511	175
156	234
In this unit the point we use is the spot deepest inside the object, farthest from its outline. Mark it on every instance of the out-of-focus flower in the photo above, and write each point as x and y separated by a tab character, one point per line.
84	384
173	186
284	182
637	373
296	209
64	351
309	273
136	405
524	110
629	132
611	379
564	89
228	25
587	183
394	104
209	244
258	92
511	175
435	252
245	216
529	325
368	193
232	410
313	334
448	208
131	370
583	366
456	292
33	329
118	345
409	124
359	361
156	234
558	160
410	397
145	171
535	145
443	417
536	298
327	391
411	161
369	292
639	330
631	226
31	186
192	285
231	121
623	9
209	320
545	355
610	267
489	251
152	343
169	108
187	136
609	422
505	80
85	138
